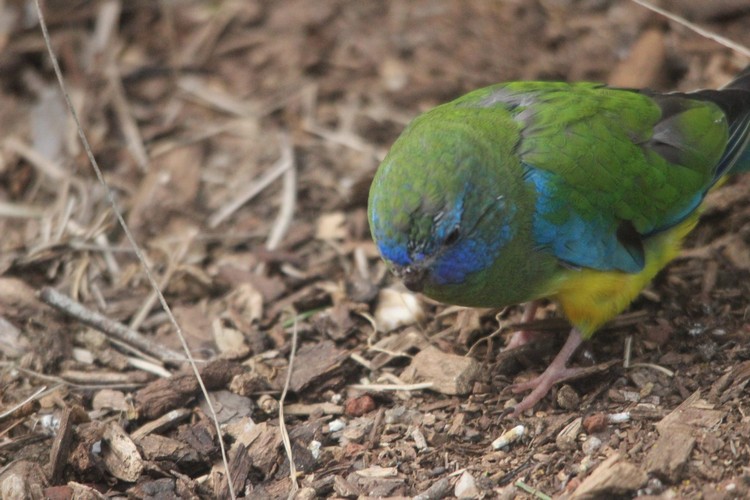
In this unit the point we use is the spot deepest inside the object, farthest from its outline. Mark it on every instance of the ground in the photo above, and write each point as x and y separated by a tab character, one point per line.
239	139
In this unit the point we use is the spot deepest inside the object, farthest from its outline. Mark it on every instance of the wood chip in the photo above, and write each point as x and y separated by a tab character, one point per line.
120	454
613	476
111	400
239	468
263	443
567	439
668	457
22	479
449	373
397	345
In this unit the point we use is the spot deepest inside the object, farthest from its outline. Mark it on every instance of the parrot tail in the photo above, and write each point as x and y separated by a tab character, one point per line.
734	100
742	83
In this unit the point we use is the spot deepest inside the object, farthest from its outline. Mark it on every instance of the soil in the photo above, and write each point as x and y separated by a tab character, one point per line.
238	140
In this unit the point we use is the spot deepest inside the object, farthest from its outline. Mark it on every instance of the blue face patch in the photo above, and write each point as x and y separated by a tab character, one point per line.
471	254
448	263
394	252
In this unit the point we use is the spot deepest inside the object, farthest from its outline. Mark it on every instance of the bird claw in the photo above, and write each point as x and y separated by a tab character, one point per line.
556	372
540	386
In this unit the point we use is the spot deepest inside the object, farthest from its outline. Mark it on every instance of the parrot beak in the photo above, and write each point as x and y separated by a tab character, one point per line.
413	277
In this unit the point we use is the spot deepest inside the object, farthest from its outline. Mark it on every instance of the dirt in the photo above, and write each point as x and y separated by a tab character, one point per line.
238	140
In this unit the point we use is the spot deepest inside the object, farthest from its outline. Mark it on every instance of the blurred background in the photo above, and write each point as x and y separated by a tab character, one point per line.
239	139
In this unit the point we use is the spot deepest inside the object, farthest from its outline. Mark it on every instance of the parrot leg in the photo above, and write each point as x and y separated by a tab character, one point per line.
522	337
555	372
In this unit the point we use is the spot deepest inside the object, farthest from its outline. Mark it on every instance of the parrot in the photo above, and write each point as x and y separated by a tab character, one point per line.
574	193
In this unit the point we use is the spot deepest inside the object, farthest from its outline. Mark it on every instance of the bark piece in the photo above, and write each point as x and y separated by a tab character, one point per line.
163	449
668	457
313	362
239	467
164	395
264	445
61	447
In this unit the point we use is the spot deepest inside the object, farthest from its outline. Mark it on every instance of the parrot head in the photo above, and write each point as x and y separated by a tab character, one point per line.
439	209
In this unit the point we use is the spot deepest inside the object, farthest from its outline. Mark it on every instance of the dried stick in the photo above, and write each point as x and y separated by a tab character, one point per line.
109	327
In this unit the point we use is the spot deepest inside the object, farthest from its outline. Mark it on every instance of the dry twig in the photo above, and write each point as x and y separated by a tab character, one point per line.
109	327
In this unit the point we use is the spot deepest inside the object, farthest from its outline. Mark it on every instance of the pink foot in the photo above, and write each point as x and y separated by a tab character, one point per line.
523	337
555	372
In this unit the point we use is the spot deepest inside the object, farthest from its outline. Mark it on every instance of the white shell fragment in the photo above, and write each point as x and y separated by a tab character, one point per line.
397	308
509	437
618	418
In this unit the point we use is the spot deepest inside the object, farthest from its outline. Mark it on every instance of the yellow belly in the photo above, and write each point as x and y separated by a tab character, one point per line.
590	298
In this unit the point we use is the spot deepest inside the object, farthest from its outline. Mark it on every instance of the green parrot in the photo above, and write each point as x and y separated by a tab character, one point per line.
574	192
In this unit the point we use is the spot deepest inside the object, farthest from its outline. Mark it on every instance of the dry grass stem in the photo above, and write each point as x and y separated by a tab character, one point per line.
282	423
740	49
391	387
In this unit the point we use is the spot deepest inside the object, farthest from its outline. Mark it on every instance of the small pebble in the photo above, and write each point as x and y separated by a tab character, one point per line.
568	398
356	407
336	425
466	487
591	445
419	440
596	422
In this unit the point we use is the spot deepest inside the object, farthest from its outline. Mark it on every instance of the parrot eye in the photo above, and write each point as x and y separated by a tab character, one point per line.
452	237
